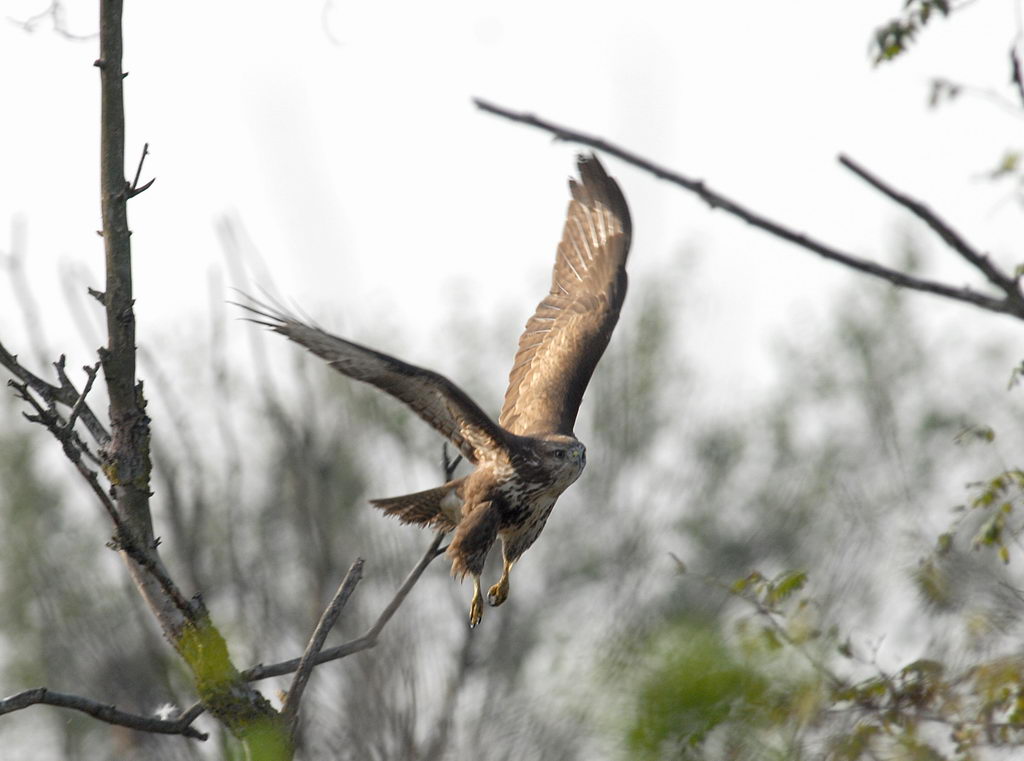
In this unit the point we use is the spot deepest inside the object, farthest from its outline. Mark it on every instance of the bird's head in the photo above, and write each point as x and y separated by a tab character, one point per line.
564	457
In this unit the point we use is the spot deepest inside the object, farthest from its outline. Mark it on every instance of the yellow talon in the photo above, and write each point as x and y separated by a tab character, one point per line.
499	592
476	607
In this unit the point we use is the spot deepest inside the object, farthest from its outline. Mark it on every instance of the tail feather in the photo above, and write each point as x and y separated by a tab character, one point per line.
438	507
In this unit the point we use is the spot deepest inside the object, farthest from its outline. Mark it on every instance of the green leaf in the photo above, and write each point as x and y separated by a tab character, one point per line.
693	684
1009	164
855	745
934	584
991	532
771	639
787	584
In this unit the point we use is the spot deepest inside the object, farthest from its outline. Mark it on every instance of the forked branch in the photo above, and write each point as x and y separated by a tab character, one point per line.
369	639
1011	302
290	709
1008	285
65	394
314	655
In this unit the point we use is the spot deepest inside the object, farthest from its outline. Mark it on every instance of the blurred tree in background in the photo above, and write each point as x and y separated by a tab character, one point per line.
821	544
802	576
833	487
266	516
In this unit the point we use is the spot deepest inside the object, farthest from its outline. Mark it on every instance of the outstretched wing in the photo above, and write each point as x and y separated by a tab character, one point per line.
430	395
568	333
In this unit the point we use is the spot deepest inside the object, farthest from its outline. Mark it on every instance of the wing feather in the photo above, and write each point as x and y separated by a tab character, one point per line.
568	333
430	395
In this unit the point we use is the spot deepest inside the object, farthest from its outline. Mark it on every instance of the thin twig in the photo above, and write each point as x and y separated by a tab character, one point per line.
77	409
134	190
942	228
1016	77
55	12
718	201
65	394
290	709
447	463
364	642
74	448
104	712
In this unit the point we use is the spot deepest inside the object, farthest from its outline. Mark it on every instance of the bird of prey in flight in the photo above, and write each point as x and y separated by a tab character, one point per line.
525	460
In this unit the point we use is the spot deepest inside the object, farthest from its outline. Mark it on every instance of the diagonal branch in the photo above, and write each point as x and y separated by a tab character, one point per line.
949	236
50	419
1012	306
366	641
104	712
1016	79
134	190
76	410
65	394
290	709
124	539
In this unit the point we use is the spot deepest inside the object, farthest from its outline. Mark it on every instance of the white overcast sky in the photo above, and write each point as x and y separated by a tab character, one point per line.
347	144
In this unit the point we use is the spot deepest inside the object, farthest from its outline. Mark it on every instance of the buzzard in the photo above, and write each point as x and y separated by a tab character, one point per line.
525	460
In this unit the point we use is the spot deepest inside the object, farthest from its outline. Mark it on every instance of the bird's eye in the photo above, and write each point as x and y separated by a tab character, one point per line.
560	454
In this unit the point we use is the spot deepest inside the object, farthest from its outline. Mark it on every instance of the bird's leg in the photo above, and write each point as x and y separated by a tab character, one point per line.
499	592
476	607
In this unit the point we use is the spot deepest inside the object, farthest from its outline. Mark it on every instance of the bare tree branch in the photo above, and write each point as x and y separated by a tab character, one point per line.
366	641
127	455
1016	79
950	237
77	409
55	12
125	461
63	430
447	463
104	712
124	540
126	458
1011	306
65	394
134	190
290	709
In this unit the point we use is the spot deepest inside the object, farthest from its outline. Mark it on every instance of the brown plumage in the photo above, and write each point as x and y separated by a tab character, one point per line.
530	456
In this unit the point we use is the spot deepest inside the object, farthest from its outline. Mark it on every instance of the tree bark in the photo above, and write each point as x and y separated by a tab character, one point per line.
126	459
